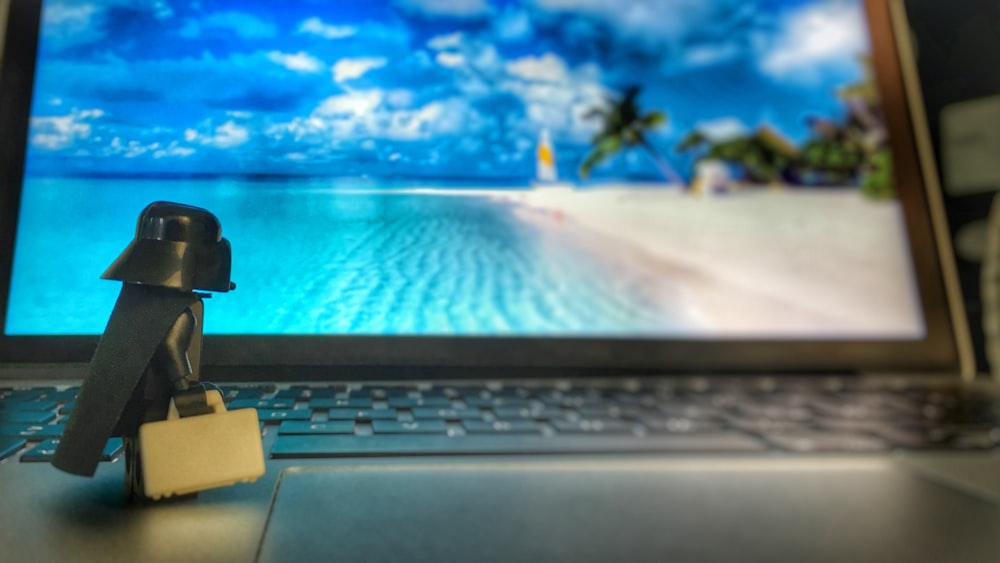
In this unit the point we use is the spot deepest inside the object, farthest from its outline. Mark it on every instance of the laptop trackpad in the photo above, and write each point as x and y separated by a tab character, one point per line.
648	510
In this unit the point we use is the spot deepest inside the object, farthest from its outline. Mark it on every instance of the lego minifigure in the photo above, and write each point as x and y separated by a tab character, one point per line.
145	368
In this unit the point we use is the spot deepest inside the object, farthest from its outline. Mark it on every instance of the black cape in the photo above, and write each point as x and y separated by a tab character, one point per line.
139	322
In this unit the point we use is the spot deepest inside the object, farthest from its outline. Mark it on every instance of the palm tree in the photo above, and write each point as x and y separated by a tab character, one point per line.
625	127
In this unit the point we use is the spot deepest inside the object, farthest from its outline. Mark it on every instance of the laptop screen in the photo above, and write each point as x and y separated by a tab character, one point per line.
640	169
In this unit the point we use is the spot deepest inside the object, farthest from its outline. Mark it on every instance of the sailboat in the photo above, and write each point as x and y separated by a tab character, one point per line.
546	173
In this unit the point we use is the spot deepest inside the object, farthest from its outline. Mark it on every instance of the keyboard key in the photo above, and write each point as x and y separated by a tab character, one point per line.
676	425
502	427
27	394
447	414
277	415
260	404
42	452
32	432
67	408
61	396
593	425
411	402
814	441
45	450
249	393
602	411
775	412
496	402
363	415
329	427
112	449
350	402
766	425
854	410
508	413
26	406
322	393
293	393
409	427
26	417
342	446
10	446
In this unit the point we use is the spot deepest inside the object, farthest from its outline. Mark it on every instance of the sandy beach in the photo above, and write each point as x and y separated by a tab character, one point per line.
757	263
760	262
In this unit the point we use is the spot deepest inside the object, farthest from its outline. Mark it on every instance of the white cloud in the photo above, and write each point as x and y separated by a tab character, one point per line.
354	104
368	114
349	69
561	100
456	9
816	37
173	150
665	21
61	131
135	149
415	124
68	25
547	68
225	136
400	98
449	41
298	62
74	17
229	135
316	26
723	129
450	60
245	25
708	55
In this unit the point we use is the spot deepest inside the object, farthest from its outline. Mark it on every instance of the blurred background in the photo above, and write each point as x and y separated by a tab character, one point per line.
958	56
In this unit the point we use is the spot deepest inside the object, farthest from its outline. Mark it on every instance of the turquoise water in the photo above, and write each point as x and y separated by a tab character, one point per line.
311	259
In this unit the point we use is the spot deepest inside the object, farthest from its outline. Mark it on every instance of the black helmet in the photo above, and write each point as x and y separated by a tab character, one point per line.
176	246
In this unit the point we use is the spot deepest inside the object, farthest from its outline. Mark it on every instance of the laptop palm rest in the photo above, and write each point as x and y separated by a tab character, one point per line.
640	510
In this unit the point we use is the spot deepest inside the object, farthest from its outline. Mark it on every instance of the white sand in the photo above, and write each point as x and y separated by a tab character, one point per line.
786	263
790	262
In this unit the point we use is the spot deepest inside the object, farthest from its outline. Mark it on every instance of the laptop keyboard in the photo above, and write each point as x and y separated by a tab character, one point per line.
700	415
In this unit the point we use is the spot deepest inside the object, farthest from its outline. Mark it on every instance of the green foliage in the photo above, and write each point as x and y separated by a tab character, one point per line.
877	183
832	161
624	126
760	161
850	151
693	140
602	152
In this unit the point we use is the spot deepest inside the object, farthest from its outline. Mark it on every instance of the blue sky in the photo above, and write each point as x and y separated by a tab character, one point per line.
429	88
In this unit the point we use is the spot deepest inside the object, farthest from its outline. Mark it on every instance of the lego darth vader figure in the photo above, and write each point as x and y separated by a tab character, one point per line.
150	350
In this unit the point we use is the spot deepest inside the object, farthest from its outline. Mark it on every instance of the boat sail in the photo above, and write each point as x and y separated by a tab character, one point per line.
546	172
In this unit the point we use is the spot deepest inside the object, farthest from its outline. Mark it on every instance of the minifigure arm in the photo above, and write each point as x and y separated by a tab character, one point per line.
171	358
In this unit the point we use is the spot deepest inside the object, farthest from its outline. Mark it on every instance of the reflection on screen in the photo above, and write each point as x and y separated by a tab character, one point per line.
640	168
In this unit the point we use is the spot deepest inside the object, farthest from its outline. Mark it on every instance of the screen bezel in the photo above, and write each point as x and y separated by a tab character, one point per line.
249	357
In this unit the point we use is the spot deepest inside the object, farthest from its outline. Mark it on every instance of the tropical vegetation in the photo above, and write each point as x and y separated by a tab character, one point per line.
625	126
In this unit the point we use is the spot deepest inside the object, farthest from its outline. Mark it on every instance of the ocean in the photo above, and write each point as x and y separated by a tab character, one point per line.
310	257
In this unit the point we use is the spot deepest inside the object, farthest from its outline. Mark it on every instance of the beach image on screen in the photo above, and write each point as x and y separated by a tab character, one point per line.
586	168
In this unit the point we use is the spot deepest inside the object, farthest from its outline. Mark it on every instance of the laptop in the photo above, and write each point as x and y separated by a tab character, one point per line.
515	280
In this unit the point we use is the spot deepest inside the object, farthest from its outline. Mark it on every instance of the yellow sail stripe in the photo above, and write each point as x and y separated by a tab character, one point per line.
545	155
